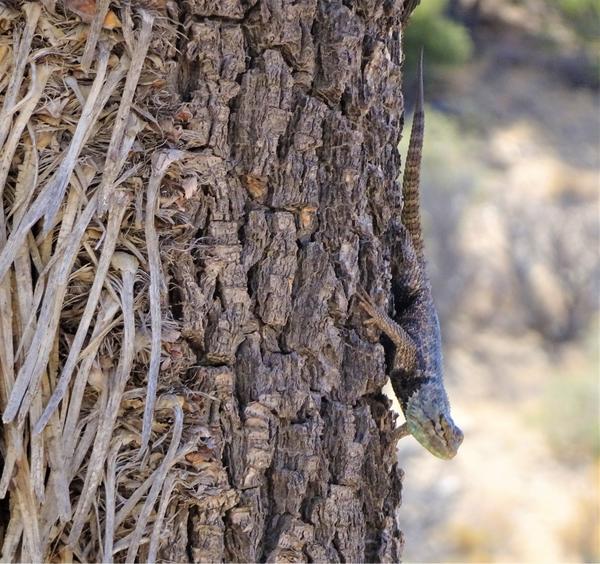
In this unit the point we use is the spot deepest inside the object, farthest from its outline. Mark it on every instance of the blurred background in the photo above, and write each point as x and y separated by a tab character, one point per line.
511	201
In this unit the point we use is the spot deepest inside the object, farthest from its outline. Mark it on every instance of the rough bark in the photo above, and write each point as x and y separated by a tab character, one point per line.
288	113
312	131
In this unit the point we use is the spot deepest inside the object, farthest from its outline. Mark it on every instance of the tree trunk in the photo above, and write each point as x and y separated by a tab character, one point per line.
192	193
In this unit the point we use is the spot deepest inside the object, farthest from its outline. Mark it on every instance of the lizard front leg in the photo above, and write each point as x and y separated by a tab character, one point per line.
405	349
400	432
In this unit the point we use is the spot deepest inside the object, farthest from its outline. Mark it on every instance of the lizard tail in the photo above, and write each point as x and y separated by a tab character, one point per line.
411	217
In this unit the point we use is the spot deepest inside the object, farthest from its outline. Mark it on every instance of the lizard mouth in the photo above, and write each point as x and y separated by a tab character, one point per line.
445	448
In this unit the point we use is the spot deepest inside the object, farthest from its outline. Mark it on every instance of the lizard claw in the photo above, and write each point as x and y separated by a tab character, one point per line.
366	302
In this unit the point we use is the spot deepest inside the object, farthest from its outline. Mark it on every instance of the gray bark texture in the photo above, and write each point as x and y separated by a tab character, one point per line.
270	439
304	99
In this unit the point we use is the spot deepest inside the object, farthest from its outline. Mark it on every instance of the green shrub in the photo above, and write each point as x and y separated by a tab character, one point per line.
444	41
583	16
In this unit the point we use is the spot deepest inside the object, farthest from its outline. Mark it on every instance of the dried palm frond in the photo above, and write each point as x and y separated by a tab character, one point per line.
94	195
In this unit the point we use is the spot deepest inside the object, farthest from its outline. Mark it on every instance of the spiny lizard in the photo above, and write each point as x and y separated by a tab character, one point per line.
417	373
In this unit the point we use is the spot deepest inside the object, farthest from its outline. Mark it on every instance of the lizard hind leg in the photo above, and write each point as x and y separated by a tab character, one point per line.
366	302
405	346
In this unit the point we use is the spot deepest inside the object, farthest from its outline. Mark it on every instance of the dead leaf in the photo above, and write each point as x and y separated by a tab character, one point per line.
86	10
111	21
307	215
184	114
256	186
190	186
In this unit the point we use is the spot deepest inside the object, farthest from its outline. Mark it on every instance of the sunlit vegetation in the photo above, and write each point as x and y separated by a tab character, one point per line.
582	15
444	41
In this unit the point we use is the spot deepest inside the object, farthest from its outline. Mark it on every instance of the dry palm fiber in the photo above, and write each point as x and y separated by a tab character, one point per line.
102	440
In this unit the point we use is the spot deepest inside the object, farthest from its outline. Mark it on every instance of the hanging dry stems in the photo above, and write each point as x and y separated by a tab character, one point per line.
94	451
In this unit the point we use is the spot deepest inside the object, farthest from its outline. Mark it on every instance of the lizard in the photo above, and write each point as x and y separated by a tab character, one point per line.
416	373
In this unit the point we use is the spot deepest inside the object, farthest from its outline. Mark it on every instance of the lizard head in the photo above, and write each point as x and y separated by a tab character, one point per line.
427	413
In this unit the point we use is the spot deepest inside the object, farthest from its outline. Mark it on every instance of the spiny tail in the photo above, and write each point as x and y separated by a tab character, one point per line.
411	217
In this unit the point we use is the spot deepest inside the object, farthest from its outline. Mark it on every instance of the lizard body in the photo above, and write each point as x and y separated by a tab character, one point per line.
417	372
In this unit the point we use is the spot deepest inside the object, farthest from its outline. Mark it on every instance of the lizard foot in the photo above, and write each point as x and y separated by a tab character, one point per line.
400	432
367	303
